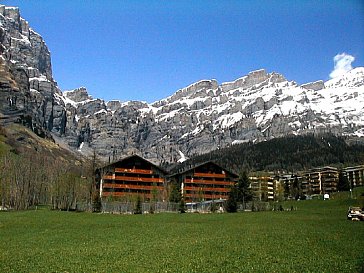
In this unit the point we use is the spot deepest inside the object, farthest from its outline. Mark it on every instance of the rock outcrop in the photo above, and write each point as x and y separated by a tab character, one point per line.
316	86
25	56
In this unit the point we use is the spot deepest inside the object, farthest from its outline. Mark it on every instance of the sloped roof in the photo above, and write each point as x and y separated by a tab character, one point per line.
131	157
202	164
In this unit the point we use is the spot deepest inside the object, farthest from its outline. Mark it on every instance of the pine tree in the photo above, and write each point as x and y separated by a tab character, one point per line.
287	189
296	189
175	194
343	183
138	205
231	203
240	193
244	192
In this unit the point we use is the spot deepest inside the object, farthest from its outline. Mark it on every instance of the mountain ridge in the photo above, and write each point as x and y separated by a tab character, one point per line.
198	118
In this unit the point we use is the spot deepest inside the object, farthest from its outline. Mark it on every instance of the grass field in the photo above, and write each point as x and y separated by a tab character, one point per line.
314	238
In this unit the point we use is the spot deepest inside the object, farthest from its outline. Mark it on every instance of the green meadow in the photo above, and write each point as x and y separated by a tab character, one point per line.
316	237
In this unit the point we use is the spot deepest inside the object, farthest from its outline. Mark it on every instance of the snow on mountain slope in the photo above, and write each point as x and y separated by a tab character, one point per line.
206	115
201	117
268	97
353	78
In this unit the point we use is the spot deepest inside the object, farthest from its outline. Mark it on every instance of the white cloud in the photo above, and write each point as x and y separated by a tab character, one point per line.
342	64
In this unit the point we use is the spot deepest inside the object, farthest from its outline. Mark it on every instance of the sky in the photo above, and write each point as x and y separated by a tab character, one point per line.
147	50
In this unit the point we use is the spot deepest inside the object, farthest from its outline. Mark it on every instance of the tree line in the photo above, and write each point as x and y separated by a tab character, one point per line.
287	154
34	179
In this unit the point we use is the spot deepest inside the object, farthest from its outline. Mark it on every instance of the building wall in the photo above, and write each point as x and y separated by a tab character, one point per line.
322	180
207	182
263	187
355	175
294	186
132	177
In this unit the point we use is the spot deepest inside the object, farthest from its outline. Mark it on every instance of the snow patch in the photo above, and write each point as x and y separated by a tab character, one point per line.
80	148
101	111
237	141
41	78
183	157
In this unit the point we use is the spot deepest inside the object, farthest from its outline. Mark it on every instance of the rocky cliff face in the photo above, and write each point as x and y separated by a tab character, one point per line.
201	117
28	90
205	115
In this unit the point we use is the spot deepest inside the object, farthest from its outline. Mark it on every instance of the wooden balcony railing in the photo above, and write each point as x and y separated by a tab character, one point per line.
208	182
204	189
140	171
118	194
131	178
215	175
190	196
132	187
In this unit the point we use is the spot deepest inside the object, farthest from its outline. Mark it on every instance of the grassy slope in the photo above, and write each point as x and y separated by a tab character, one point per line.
315	238
22	141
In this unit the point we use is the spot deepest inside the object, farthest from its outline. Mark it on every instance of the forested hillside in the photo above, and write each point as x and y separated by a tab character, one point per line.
291	153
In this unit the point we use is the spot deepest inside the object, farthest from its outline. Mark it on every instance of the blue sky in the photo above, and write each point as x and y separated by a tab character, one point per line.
147	50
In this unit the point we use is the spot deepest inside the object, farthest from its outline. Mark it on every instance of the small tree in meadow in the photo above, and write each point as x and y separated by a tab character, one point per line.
96	203
175	193
240	193
244	192
138	205
232	203
182	206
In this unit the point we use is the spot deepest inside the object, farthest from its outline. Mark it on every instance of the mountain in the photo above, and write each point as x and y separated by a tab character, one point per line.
27	88
201	117
205	115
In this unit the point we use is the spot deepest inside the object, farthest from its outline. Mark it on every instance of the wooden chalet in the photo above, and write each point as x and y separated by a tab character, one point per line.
207	181
130	177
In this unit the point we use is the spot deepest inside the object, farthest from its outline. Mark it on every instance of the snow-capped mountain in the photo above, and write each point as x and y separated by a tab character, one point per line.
205	115
198	118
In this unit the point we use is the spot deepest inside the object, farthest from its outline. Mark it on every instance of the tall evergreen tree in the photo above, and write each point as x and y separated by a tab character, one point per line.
138	205
240	193
244	192
231	203
296	189
286	189
343	183
175	193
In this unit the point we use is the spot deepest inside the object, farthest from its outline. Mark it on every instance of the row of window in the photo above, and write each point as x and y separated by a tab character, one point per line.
197	192
129	190
208	178
139	175
136	183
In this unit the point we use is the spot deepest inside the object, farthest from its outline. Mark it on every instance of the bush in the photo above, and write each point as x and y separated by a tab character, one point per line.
96	203
231	203
138	206
182	207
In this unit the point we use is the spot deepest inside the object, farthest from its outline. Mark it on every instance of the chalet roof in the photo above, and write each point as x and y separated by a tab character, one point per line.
131	157
184	170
